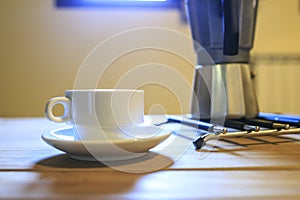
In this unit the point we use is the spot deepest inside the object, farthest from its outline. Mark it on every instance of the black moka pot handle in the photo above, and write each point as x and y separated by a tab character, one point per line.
231	27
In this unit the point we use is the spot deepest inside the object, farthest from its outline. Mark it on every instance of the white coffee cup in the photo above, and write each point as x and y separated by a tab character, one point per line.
99	114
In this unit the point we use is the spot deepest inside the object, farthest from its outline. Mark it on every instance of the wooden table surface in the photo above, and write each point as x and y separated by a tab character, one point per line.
264	168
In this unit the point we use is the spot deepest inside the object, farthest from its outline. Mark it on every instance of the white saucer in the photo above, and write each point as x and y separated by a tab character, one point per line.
106	150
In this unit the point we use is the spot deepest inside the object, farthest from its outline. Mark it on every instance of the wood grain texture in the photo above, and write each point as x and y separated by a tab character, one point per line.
224	169
157	185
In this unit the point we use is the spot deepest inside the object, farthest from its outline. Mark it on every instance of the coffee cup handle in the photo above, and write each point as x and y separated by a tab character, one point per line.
65	102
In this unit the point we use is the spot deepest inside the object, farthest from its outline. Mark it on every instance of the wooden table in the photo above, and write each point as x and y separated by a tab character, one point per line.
265	168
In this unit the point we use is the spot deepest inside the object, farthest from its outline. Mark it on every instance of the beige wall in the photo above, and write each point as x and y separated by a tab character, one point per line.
42	49
278	27
278	34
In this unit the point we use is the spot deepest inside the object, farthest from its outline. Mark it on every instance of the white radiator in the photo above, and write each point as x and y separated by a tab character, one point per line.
277	83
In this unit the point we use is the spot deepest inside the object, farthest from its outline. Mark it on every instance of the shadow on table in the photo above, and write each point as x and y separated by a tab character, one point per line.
67	176
149	162
63	161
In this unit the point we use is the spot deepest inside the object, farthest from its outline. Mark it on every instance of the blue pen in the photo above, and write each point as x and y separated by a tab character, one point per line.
285	116
292	122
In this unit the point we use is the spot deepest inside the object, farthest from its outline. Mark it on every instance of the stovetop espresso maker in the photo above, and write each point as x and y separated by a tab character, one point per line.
223	30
